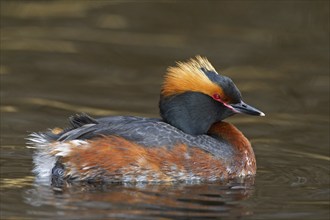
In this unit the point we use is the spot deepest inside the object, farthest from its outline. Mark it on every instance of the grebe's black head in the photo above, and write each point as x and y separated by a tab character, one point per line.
194	96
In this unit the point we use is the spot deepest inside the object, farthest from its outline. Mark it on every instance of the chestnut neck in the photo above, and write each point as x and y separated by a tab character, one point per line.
244	162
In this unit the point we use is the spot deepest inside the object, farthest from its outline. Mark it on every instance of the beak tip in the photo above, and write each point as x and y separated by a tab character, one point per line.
246	109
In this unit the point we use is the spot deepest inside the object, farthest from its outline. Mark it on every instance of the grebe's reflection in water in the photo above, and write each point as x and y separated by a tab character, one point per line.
145	200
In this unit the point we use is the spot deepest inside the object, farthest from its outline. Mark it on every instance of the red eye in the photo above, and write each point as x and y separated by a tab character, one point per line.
216	97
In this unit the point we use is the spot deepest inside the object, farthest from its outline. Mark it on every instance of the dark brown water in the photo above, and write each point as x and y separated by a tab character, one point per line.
59	58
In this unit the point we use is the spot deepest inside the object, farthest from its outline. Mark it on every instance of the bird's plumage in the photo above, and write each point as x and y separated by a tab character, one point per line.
189	142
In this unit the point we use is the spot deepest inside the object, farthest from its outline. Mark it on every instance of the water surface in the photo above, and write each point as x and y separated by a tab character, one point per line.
59	58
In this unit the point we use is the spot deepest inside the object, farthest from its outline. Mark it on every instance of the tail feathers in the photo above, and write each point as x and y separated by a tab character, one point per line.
56	143
37	140
48	152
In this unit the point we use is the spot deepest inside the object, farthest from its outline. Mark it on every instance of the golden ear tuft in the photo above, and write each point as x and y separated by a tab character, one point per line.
196	64
190	76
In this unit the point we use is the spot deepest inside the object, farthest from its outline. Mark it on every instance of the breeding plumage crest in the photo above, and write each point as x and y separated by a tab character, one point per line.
196	64
190	76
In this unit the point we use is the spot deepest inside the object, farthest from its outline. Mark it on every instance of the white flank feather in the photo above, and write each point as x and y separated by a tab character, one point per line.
47	152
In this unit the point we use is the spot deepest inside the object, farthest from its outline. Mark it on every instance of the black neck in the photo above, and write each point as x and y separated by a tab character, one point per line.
192	112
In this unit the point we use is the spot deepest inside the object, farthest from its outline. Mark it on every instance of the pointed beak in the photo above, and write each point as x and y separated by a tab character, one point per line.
246	109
